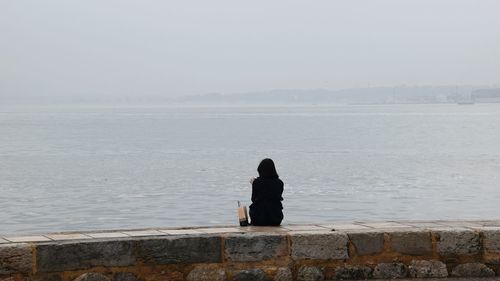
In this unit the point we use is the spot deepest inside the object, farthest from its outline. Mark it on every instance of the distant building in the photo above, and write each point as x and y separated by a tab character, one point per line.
486	96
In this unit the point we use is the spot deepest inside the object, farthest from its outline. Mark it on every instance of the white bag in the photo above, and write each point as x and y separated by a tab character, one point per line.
242	214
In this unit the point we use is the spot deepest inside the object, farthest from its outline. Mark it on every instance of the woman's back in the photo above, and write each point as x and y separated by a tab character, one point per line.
266	208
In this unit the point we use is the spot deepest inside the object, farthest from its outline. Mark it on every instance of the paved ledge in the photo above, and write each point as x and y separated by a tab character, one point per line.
386	226
335	251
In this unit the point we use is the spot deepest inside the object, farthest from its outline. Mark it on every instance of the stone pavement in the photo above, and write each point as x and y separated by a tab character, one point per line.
351	227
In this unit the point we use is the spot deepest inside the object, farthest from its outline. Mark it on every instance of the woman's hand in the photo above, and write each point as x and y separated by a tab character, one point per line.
252	179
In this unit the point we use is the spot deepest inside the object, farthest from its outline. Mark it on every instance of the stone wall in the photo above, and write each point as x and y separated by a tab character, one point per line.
361	250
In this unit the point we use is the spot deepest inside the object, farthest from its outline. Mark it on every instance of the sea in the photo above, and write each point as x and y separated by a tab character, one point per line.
94	167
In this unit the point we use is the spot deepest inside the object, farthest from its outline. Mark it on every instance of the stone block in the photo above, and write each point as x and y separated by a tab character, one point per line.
83	255
250	275
203	273
411	243
305	228
165	275
367	243
472	270
390	271
460	223
255	247
319	245
15	259
458	242
491	242
354	273
386	226
125	276
427	269
92	276
180	249
283	274
52	277
345	227
27	239
310	273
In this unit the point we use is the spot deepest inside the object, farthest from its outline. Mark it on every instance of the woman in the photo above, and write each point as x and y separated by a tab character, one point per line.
266	208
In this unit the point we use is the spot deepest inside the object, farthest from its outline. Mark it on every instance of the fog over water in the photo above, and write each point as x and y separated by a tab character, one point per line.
175	48
128	114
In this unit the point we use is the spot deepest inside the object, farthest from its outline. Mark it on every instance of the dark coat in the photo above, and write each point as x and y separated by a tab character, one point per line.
266	208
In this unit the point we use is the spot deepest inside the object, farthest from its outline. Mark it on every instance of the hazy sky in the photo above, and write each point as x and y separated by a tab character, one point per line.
194	47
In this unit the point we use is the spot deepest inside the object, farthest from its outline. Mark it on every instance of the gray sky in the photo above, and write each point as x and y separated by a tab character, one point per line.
194	47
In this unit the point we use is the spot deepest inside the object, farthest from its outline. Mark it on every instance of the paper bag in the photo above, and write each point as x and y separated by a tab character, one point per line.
242	214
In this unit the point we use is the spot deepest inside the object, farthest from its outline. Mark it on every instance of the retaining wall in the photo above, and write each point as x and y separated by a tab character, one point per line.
360	250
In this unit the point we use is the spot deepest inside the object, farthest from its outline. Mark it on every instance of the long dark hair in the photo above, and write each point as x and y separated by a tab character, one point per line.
266	169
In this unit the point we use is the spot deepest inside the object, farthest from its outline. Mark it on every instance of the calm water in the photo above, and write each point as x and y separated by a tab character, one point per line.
101	167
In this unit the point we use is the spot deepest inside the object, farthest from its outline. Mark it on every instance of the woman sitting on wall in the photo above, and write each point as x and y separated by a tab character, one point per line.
266	208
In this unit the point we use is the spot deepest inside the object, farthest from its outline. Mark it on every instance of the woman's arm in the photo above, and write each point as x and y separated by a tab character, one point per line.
254	191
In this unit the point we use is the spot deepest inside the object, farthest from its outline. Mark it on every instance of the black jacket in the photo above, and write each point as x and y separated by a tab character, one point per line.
266	208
